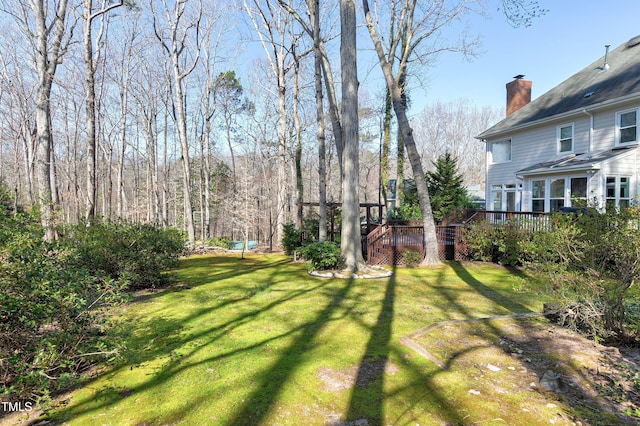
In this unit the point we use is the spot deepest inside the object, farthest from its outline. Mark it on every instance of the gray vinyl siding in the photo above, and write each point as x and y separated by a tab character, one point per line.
604	130
539	144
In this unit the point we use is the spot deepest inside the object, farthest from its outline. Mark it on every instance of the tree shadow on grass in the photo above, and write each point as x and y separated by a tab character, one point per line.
369	393
367	401
273	379
541	350
367	398
488	292
168	342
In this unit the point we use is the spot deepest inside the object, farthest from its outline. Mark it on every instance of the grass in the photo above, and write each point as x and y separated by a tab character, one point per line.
251	342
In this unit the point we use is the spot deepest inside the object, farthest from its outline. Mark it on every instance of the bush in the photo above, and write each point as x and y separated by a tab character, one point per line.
133	252
222	242
592	262
411	258
50	312
291	238
323	255
498	243
479	238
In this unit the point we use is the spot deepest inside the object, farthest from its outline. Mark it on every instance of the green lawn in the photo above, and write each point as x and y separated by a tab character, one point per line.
259	341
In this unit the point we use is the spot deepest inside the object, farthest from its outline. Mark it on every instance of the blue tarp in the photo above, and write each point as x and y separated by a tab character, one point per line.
237	245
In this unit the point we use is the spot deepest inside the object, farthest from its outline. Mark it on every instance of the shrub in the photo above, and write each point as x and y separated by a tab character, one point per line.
134	252
480	238
6	199
323	255
509	237
222	242
50	312
498	243
291	238
592	261
411	258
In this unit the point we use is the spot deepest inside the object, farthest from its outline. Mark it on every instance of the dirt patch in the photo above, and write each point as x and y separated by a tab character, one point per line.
514	354
367	372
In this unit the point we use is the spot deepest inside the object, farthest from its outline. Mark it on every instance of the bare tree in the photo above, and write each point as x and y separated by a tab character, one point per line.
91	56
413	24
450	127
212	39
272	26
313	7
175	40
18	111
313	30
49	48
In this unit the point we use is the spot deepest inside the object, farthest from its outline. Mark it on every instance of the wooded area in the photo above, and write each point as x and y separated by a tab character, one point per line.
168	112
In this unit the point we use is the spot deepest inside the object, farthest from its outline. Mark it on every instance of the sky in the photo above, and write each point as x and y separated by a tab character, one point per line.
569	37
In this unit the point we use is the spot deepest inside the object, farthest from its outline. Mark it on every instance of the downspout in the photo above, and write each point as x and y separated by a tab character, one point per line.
590	128
487	192
593	174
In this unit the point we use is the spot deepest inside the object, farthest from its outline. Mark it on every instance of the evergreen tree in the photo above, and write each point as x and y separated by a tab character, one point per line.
446	187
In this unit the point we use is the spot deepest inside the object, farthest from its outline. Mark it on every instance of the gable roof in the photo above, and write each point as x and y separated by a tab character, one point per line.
590	87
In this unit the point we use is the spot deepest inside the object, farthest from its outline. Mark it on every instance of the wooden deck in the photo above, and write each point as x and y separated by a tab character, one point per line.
386	244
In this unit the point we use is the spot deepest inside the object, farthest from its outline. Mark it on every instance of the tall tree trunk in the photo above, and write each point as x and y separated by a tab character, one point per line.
311	30
298	138
90	206
47	59
384	149
90	69
351	239
314	7
121	194
174	40
184	151
429	241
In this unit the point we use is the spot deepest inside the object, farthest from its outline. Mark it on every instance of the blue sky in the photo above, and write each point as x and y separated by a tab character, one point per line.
568	38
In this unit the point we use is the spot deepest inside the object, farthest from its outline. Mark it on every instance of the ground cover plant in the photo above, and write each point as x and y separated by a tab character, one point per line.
55	297
259	341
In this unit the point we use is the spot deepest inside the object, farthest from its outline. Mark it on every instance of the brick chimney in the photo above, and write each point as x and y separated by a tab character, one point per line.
518	94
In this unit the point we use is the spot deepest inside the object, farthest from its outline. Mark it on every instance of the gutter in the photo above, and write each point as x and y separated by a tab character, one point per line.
589	167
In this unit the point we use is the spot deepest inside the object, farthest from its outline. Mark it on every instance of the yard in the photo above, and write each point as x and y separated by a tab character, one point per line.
259	341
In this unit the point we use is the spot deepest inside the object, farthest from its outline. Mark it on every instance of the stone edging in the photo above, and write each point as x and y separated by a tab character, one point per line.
409	341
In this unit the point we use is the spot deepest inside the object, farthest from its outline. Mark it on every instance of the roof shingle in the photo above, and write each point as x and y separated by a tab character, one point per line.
591	86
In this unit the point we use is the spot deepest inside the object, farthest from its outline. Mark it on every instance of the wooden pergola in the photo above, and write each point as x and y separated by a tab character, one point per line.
331	213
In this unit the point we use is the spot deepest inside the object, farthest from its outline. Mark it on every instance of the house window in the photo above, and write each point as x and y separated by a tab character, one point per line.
497	200
506	197
537	195
565	138
579	189
618	192
627	127
500	151
557	194
552	194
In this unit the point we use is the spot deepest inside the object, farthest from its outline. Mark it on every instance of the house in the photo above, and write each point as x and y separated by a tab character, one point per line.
578	141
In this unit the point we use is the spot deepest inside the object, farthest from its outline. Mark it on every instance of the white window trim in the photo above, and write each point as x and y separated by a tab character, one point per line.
547	190
617	136
558	138
490	151
503	189
616	198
